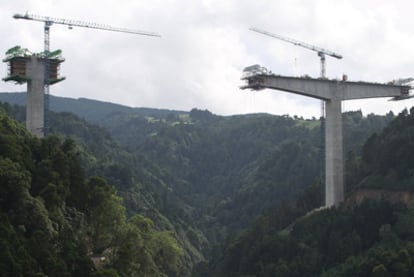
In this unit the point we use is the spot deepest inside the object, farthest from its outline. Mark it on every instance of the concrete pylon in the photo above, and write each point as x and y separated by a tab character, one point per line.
333	92
30	68
334	175
35	102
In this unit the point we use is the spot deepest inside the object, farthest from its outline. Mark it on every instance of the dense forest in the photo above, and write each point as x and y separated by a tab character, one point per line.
375	238
196	194
55	221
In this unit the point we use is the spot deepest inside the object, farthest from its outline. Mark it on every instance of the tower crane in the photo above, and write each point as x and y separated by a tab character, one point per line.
48	22
320	51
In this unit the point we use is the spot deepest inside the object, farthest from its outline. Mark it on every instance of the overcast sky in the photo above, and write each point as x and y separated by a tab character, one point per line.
206	44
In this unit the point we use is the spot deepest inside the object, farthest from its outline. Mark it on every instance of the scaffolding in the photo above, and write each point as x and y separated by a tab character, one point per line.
18	58
38	71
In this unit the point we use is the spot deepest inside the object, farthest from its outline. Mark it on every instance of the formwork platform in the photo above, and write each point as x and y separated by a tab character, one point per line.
18	69
26	67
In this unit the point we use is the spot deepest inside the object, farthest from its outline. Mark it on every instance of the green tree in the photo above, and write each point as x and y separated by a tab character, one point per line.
105	213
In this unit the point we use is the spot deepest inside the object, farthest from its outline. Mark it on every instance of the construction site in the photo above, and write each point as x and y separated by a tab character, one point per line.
331	93
40	70
24	67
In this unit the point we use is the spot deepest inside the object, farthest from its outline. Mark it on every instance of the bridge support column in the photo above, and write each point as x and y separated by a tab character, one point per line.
333	92
334	182
35	97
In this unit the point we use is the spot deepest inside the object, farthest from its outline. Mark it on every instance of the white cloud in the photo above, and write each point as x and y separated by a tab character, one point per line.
206	44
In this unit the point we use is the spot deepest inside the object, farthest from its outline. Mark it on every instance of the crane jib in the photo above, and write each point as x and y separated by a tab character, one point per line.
51	20
319	50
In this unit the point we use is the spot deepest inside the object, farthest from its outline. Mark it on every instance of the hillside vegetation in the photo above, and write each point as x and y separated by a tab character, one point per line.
375	238
200	179
55	221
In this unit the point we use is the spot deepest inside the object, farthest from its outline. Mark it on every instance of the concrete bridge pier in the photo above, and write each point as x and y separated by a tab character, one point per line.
334	165
24	67
333	92
35	102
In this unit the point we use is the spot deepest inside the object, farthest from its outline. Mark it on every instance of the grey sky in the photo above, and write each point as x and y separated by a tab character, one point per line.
206	44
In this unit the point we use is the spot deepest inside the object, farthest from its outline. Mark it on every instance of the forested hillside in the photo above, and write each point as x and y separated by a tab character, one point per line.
55	221
201	177
387	160
375	238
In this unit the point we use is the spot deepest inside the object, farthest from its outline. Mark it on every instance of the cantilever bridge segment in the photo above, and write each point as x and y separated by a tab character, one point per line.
333	92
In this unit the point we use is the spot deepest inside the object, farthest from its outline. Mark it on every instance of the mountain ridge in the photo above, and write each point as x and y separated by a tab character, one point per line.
83	107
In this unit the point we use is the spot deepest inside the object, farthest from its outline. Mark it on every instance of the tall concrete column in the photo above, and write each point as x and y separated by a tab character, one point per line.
35	98
334	181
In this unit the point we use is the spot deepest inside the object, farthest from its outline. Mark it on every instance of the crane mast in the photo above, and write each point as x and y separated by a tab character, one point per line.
48	22
320	51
